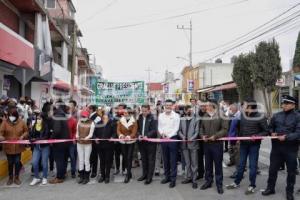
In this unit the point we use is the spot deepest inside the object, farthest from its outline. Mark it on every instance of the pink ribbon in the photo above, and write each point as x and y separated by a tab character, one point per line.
155	140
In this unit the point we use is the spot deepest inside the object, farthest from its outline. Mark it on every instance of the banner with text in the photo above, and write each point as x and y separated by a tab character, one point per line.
113	93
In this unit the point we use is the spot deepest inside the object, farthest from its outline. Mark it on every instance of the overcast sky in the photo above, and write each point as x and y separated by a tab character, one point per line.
125	53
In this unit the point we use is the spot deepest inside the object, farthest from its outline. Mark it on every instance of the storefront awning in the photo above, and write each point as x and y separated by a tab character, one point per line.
224	87
62	85
204	90
86	90
14	49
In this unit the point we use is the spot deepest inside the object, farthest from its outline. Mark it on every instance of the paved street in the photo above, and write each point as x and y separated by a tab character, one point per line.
135	190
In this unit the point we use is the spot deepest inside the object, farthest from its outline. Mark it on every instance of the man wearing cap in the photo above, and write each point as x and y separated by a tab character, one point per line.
285	125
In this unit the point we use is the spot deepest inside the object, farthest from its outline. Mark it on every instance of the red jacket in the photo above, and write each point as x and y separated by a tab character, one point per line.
72	124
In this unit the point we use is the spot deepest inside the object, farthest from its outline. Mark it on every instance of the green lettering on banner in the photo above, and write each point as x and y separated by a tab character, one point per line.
112	93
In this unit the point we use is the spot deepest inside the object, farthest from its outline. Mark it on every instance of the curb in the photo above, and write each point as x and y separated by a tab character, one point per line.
25	158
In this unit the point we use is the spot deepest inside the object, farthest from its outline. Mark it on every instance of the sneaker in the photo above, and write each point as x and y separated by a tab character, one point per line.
250	190
232	186
44	181
35	181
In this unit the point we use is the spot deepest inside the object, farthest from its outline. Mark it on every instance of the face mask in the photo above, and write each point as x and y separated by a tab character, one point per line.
68	115
84	119
12	118
39	121
128	118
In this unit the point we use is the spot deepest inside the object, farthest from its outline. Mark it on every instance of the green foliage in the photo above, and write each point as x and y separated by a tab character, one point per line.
296	61
241	75
266	66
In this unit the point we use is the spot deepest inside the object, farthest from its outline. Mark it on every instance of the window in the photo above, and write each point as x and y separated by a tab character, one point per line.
50	3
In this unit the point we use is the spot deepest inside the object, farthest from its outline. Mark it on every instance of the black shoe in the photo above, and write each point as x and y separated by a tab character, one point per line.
93	175
148	181
86	177
220	190
205	186
164	181
172	184
101	179
81	177
106	180
268	192
186	181
73	175
127	178
290	196
258	172
117	172
195	185
142	178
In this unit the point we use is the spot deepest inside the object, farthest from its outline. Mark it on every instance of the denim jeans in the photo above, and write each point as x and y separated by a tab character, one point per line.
72	154
251	150
43	154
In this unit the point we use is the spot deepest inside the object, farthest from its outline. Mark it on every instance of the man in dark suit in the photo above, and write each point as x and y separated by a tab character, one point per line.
147	128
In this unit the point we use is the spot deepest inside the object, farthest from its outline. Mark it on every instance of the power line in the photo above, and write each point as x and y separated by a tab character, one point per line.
174	16
256	36
244	35
277	33
108	5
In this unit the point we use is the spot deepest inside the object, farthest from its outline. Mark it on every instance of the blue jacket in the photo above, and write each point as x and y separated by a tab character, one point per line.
233	129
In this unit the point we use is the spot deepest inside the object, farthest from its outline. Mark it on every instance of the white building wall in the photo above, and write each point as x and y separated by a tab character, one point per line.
40	93
214	74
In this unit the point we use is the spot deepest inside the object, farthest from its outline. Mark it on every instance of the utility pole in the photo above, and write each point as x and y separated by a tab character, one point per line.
190	28
73	59
148	70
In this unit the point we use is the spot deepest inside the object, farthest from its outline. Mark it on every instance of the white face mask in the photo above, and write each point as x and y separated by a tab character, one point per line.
12	118
128	117
84	119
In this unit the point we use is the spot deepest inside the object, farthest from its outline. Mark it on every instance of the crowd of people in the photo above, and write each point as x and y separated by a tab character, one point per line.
91	134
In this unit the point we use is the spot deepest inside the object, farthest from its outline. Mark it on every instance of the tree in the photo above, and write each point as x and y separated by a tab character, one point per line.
296	61
232	59
266	70
219	60
241	75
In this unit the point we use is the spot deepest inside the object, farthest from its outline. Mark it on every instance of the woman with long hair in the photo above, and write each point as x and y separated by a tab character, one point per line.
127	129
39	131
105	149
